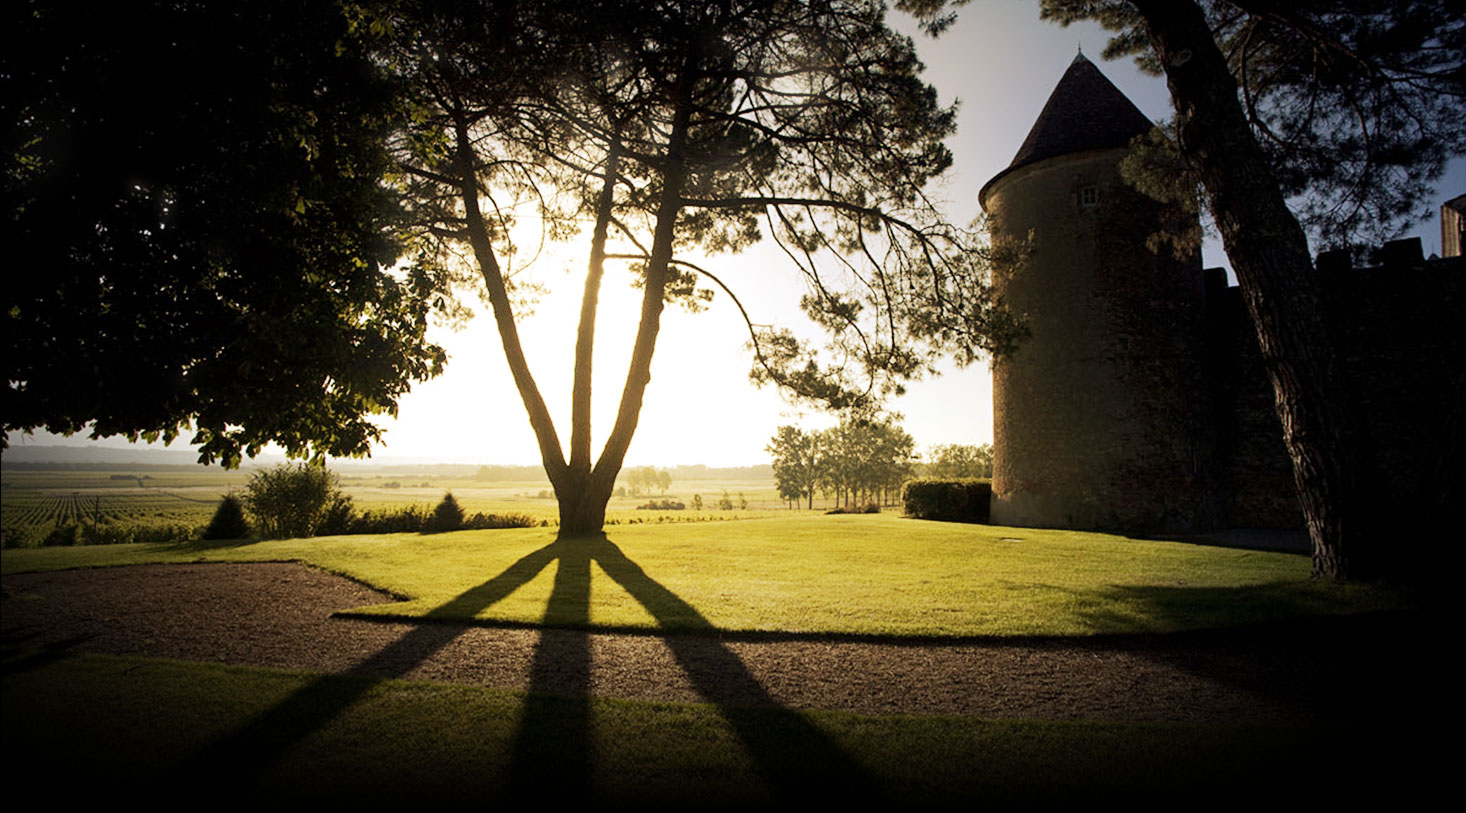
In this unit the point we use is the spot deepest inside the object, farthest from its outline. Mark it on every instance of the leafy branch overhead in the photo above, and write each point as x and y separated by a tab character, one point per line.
802	123
678	131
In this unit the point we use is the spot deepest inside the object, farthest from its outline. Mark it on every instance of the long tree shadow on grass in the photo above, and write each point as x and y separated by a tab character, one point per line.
552	755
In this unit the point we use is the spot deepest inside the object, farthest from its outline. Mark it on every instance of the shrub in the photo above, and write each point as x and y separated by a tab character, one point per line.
339	517
664	505
484	522
868	508
448	516
724	503
229	521
697	501
411	519
963	500
290	500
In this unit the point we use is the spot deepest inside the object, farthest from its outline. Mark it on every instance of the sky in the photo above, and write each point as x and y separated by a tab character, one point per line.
998	63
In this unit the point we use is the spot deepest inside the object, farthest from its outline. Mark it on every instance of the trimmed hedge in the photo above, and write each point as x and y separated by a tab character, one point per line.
961	500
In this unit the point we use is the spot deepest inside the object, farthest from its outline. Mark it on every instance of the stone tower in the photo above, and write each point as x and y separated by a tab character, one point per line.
1102	417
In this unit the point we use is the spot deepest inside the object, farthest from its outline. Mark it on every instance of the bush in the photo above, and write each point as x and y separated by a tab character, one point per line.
664	505
229	521
448	516
485	522
290	500
411	519
963	500
339	518
868	508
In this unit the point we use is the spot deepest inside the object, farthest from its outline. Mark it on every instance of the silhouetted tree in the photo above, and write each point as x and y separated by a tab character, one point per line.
228	521
197	231
683	126
448	515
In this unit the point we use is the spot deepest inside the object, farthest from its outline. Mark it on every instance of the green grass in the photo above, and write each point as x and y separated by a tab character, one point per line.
865	575
162	731
83	727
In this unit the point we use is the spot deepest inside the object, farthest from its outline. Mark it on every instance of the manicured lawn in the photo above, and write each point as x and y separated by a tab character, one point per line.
878	575
83	727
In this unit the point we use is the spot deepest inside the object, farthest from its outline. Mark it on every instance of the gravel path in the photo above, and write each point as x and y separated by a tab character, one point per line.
280	615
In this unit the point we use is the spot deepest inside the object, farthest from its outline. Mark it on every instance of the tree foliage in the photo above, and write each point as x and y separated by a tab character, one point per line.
229	521
683	129
642	479
957	461
198	231
447	516
290	500
858	461
1357	104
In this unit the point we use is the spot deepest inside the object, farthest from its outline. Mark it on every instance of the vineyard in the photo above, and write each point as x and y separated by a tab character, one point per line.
48	507
43	516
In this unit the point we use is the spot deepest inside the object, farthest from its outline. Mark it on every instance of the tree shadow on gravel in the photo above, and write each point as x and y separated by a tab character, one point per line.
552	756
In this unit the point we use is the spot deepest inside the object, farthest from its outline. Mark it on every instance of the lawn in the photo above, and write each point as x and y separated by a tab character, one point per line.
852	575
168	731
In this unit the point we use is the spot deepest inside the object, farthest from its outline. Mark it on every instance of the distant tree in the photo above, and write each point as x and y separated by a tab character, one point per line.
290	500
956	460
796	463
199	227
229	521
725	503
447	516
664	480
697	501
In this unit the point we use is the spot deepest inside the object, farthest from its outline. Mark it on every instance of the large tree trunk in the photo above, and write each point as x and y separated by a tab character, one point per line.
1270	256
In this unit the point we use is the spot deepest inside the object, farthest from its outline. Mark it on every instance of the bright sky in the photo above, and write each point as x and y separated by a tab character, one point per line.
1000	62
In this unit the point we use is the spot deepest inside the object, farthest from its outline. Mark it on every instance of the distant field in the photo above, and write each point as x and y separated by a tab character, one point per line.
174	504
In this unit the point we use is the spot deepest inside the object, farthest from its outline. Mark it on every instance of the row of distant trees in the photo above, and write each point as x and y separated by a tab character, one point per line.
863	462
857	462
642	479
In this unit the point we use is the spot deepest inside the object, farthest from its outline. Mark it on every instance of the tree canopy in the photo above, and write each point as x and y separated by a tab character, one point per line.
1356	104
198	231
679	130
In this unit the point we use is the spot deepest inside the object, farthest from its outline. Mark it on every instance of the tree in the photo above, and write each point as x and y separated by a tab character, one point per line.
228	521
796	463
199	231
956	461
448	515
690	126
1346	105
290	500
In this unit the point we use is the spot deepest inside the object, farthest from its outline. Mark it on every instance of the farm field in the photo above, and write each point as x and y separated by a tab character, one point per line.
152	505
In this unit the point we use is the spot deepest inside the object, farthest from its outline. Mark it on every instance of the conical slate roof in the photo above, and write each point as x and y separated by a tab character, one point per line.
1085	112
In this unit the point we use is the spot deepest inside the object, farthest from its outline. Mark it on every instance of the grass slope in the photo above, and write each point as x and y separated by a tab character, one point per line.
876	575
